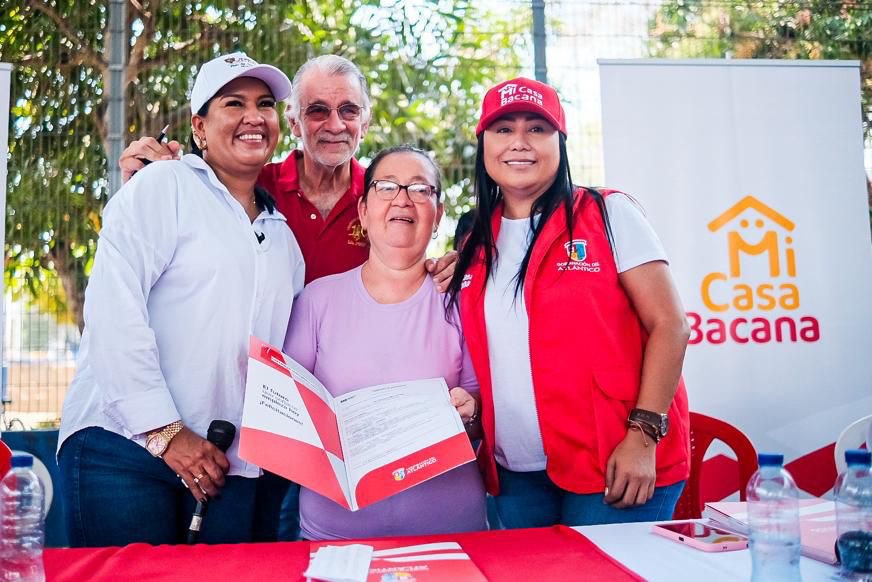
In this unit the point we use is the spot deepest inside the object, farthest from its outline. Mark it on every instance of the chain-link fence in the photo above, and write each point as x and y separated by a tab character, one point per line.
428	63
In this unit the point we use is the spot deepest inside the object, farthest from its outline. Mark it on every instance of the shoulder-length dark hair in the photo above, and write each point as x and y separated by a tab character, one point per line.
262	197
560	195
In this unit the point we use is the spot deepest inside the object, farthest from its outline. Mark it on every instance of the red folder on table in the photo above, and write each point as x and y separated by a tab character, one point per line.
429	562
357	448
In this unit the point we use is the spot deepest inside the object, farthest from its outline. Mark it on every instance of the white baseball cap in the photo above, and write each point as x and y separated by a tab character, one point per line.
221	70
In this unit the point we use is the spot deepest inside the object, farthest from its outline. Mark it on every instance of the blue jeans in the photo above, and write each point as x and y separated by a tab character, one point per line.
115	493
533	500
277	512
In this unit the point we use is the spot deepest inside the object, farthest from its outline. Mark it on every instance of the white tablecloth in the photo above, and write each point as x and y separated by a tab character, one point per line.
657	558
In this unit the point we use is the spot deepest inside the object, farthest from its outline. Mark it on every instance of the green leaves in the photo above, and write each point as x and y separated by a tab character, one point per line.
816	29
428	63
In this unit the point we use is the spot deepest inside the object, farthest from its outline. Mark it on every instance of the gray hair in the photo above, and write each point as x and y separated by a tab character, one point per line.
334	66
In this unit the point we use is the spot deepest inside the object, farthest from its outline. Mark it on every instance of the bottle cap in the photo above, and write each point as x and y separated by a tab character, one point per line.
22	461
858	457
770	459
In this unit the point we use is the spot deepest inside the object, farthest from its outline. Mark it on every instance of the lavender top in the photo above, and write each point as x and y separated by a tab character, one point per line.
348	341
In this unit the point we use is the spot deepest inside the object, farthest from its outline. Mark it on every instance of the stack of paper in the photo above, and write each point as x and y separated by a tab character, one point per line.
817	522
443	561
348	563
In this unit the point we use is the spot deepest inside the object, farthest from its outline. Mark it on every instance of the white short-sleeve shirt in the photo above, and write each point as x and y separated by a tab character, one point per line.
518	441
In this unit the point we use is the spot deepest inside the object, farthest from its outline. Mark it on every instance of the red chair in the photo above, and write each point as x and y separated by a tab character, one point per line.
5	459
703	431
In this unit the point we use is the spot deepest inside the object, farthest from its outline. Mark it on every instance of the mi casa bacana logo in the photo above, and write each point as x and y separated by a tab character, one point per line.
515	92
753	307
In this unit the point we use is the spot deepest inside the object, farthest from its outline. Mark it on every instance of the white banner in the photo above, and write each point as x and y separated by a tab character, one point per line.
752	174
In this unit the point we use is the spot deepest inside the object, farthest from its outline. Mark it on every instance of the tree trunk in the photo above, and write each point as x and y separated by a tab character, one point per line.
72	279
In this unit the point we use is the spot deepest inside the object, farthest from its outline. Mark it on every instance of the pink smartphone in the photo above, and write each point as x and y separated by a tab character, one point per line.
702	536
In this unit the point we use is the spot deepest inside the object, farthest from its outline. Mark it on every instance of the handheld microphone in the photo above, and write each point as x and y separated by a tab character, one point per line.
221	434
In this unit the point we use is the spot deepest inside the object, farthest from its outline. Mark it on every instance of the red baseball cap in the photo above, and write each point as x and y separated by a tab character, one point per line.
521	94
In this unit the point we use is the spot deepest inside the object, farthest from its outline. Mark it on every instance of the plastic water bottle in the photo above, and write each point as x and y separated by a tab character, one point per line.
854	516
21	525
773	517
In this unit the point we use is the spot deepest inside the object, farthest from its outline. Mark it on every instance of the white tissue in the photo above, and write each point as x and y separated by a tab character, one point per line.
340	563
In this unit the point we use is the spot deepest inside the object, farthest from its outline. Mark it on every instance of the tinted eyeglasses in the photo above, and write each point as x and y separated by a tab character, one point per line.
346	111
387	190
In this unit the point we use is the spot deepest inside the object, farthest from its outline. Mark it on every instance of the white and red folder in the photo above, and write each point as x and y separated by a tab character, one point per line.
355	449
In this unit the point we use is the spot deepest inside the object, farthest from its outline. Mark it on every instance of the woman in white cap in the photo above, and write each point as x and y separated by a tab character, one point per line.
575	329
192	260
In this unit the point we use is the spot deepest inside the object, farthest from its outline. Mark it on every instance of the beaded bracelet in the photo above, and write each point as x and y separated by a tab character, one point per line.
476	411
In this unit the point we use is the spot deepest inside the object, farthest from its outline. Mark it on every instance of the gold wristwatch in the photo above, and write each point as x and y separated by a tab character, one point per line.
158	440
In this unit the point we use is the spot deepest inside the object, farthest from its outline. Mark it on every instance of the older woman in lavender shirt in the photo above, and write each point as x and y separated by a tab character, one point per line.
385	322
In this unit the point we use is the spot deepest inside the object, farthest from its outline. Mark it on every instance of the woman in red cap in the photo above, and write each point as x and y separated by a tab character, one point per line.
575	328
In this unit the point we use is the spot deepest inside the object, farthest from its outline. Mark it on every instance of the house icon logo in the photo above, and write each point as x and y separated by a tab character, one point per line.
759	286
775	236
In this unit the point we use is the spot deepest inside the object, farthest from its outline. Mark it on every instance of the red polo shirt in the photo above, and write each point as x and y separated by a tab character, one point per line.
330	245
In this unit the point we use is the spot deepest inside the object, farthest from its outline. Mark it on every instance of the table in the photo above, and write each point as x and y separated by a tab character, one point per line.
554	554
602	552
657	558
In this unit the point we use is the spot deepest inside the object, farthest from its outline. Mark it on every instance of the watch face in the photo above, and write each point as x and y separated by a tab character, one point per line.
156	444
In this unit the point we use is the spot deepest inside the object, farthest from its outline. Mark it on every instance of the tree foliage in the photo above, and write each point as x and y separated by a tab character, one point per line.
817	29
810	29
426	60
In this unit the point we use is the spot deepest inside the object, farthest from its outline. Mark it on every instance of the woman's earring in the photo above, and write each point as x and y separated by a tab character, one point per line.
435	232
200	141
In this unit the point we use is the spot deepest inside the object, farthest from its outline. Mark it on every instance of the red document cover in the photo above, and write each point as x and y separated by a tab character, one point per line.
817	522
430	562
355	449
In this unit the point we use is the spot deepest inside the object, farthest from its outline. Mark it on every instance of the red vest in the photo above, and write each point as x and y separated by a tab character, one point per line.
586	345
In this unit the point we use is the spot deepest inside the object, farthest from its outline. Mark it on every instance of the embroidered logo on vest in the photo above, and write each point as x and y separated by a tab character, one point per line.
577	252
576	249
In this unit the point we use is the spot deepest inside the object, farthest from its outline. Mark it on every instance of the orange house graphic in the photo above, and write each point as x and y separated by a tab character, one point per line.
768	243
753	229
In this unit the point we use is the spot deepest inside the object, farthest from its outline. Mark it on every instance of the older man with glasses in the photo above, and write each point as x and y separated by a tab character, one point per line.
316	188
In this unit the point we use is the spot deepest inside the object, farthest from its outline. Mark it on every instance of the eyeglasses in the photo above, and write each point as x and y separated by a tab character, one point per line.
387	190
346	111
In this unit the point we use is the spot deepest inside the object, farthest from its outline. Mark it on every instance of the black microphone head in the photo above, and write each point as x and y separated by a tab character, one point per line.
221	434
